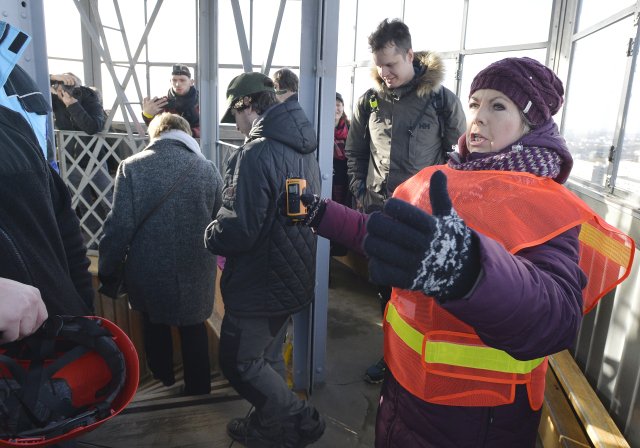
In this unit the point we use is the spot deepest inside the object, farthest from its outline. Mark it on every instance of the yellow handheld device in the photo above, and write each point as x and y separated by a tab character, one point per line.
296	210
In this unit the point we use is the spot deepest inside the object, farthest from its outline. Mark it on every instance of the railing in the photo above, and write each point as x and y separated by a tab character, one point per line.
87	165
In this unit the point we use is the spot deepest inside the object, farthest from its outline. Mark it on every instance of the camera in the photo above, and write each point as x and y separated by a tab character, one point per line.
171	103
68	89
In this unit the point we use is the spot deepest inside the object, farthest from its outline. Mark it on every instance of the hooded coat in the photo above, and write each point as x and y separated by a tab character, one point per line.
541	319
390	143
270	264
169	274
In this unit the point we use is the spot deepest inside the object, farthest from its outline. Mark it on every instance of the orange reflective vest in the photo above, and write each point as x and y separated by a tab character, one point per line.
439	358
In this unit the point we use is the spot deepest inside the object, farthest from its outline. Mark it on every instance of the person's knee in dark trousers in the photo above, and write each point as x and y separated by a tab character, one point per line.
158	346
376	372
194	343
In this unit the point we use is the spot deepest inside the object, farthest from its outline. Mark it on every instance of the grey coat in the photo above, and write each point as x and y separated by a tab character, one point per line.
170	275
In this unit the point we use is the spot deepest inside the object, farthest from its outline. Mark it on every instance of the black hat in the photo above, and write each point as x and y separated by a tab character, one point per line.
244	85
181	69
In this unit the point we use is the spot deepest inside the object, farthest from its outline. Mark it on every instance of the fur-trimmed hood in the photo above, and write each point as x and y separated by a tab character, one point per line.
429	70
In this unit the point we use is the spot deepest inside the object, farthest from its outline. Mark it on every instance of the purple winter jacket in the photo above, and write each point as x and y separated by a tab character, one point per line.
528	304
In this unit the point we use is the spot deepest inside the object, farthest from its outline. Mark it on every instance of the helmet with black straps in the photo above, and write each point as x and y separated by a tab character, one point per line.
67	378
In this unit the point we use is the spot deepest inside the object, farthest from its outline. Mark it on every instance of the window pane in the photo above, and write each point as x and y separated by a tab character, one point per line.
347	23
627	178
173	36
370	14
109	92
519	22
442	34
343	85
132	14
449	80
63	41
593	11
228	46
287	51
591	111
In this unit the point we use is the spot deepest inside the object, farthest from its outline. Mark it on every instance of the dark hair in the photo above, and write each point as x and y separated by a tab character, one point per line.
390	33
286	79
260	101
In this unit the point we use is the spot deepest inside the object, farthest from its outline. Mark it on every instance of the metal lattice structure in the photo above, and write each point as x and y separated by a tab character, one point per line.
84	162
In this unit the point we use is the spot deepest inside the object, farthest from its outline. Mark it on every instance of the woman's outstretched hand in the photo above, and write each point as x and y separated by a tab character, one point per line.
411	249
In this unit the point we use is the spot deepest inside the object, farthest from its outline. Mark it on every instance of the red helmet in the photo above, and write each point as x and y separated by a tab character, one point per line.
66	379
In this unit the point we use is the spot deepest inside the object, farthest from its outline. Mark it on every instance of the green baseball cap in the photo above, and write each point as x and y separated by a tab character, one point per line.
244	85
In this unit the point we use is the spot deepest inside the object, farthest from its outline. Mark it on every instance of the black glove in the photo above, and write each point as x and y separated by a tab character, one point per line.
411	249
315	209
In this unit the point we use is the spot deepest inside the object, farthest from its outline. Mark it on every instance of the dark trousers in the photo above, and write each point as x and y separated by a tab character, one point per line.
194	344
251	359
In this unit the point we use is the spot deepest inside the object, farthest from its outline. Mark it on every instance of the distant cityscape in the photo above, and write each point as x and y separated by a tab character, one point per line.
591	154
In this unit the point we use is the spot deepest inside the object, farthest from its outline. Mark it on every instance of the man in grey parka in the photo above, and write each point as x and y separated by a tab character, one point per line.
407	122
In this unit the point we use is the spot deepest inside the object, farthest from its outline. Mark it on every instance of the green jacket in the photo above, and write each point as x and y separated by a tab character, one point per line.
381	151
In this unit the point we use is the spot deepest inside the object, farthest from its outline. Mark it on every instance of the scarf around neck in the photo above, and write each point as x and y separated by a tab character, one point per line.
340	133
183	137
542	152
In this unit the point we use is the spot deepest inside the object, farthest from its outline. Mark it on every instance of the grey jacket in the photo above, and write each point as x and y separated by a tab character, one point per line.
270	266
381	151
170	275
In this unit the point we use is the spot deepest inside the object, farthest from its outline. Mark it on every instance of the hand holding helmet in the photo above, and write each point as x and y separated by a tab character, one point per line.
65	379
22	310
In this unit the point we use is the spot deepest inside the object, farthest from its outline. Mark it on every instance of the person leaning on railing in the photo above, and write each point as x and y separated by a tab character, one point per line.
79	108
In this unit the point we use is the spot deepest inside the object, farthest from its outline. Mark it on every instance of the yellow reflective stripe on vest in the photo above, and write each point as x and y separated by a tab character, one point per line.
474	357
608	247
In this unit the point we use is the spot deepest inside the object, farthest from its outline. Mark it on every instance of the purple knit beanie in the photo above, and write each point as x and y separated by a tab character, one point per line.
532	86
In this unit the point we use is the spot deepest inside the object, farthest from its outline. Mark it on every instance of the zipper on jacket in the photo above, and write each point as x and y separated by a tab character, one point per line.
487	427
13	249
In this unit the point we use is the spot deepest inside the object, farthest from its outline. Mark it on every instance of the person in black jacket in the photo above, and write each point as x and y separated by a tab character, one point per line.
286	84
79	108
182	99
40	240
269	272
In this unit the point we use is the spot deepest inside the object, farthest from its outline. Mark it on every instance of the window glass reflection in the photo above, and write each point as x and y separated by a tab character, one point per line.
591	107
629	167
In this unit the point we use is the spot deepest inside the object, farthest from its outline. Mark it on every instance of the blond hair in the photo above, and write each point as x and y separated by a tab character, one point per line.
167	121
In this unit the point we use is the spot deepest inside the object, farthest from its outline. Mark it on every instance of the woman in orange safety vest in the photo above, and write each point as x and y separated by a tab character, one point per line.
493	263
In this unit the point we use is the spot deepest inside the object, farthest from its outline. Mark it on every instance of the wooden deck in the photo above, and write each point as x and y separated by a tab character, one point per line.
160	418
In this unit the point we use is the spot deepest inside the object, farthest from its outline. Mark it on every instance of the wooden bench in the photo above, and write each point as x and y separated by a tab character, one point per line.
573	416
